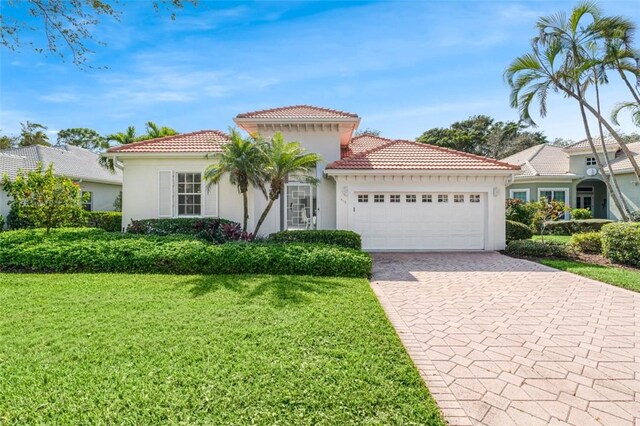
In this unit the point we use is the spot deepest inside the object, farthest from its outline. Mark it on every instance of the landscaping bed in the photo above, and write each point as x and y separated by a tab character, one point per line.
168	349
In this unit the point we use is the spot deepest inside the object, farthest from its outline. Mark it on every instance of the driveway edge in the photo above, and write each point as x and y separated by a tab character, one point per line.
450	407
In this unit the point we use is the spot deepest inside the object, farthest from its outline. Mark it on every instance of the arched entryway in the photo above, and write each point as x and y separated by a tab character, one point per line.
591	194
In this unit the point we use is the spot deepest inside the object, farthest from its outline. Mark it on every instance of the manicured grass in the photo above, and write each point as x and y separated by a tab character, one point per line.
158	349
607	274
564	239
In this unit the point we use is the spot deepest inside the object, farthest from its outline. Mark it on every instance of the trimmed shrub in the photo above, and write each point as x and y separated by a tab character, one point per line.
109	221
1	223
621	242
210	229
518	211
570	227
635	216
580	214
348	239
587	242
94	250
518	231
530	248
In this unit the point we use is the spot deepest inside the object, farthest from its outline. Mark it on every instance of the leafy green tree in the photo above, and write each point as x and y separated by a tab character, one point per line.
283	159
84	138
33	134
7	142
63	27
545	211
368	131
482	135
39	199
243	160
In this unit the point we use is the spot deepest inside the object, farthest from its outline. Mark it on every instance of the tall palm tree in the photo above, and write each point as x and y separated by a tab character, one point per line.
533	75
154	131
243	160
123	138
283	159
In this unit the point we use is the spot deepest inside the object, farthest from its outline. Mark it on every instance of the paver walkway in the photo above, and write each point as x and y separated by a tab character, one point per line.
503	341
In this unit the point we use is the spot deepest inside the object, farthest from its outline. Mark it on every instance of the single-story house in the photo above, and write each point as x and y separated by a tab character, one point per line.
399	195
78	164
570	175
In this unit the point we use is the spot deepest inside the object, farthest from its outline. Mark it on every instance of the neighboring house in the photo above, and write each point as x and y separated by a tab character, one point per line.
398	195
570	175
73	162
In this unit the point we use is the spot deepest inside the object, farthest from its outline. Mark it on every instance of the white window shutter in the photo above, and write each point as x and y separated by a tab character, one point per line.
165	193
210	200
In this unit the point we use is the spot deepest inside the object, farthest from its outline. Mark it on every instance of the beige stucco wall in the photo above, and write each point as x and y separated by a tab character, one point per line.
140	188
104	195
346	186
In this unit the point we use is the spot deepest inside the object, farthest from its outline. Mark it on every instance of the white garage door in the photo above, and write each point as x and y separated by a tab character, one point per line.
419	221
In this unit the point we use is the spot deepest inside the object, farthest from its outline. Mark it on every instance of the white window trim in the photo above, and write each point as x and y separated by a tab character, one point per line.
595	162
525	190
565	190
90	203
175	195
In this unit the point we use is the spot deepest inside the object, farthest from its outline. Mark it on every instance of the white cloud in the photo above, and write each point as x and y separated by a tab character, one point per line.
60	97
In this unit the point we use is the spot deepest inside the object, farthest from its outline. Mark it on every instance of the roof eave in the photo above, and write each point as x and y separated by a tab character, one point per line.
464	172
121	154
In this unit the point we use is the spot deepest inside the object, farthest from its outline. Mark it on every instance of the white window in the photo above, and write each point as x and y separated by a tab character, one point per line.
88	203
410	198
458	198
427	198
443	198
378	198
591	161
189	193
520	194
394	198
474	198
363	198
555	194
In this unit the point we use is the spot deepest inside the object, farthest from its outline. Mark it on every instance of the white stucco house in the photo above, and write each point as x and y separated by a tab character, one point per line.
399	195
78	164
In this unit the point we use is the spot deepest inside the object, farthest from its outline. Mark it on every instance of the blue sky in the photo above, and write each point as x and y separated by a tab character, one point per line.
404	67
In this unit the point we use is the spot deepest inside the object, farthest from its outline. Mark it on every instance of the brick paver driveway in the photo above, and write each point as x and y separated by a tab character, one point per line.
502	341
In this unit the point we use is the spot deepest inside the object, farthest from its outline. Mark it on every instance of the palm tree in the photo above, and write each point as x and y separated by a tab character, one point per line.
283	159
243	160
123	138
533	75
154	131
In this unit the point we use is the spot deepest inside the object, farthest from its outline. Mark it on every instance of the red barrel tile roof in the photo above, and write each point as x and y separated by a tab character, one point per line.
406	155
202	141
298	112
362	143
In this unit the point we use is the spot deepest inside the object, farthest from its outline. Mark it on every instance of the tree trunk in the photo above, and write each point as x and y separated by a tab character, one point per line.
264	214
605	123
613	180
245	206
607	183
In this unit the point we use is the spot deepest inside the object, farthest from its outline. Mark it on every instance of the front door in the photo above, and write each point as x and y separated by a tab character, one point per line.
585	202
299	208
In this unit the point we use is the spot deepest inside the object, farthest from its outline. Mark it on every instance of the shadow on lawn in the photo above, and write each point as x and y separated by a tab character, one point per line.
280	290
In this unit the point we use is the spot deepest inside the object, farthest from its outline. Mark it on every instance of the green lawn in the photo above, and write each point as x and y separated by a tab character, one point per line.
564	239
158	349
607	274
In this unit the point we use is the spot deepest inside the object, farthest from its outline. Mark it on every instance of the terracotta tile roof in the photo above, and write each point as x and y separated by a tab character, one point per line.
407	155
362	143
298	111
202	141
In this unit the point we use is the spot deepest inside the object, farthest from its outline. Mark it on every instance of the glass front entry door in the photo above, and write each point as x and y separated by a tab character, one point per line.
300	206
585	202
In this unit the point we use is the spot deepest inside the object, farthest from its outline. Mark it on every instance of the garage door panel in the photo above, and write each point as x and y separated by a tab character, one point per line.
420	225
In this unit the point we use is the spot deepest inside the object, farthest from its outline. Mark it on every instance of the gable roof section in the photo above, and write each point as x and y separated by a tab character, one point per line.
621	163
407	155
362	143
70	161
10	164
205	141
298	112
610	143
541	160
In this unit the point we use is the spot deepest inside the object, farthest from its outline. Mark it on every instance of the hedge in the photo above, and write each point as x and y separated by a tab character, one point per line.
570	227
109	221
518	231
621	242
531	248
210	229
348	239
588	242
94	250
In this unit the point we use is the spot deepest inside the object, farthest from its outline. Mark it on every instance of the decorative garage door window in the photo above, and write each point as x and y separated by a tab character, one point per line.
363	198
427	198
474	198
189	194
394	198
458	198
443	198
378	198
410	198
